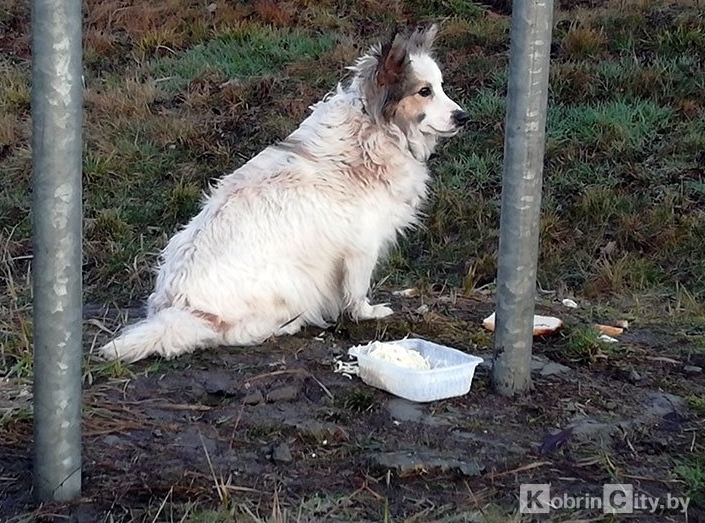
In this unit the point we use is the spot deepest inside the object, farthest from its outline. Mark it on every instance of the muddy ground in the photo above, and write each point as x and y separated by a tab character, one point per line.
275	423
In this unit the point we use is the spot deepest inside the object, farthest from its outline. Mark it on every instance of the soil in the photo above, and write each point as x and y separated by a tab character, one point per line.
276	422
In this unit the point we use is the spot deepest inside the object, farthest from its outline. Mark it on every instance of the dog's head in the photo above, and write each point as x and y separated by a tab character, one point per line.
402	85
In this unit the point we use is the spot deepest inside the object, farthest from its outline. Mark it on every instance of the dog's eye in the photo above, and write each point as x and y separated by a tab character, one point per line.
425	91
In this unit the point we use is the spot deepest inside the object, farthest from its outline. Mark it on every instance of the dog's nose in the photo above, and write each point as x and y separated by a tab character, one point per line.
460	117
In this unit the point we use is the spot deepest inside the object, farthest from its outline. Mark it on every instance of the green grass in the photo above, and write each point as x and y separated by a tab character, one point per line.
359	400
697	404
584	344
440	8
692	471
613	128
243	53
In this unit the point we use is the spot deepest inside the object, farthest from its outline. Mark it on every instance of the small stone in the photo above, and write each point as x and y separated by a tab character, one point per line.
221	384
610	405
552	368
660	404
281	453
407	293
112	440
571	304
547	367
571	406
423	309
421	460
634	376
692	369
254	398
285	393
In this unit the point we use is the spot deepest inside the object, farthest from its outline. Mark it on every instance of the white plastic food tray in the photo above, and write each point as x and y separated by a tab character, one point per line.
450	374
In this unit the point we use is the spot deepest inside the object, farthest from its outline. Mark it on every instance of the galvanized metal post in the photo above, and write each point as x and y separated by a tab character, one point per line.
527	95
57	114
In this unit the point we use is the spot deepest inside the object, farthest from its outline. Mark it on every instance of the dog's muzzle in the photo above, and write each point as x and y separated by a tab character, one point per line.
460	117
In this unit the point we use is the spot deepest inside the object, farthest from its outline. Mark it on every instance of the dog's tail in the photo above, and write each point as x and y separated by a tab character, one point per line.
169	332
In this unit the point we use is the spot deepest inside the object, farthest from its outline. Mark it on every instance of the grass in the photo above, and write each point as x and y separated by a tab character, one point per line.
323	507
584	344
246	52
623	157
692	471
360	400
179	92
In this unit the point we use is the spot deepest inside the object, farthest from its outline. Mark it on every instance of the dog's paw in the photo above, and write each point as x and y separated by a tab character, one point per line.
381	310
119	352
108	352
365	311
291	327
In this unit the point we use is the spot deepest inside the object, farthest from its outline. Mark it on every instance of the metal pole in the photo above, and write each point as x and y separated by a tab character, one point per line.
527	95
57	115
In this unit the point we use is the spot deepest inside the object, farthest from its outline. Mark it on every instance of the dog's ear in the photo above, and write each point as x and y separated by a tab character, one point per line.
392	61
423	37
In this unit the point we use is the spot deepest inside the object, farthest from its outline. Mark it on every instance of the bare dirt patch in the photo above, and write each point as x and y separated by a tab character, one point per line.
255	423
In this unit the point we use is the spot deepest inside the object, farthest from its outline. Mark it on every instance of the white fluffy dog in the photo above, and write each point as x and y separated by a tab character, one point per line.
291	238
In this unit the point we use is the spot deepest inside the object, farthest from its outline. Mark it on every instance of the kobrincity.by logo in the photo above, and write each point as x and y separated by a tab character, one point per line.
617	498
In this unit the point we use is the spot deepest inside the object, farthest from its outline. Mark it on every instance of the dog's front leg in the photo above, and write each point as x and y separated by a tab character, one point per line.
356	282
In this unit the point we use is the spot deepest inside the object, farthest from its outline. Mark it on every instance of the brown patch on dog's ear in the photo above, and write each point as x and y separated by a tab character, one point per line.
421	40
392	62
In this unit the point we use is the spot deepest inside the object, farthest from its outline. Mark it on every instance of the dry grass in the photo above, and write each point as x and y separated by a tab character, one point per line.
582	42
14	88
15	311
129	99
11	131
